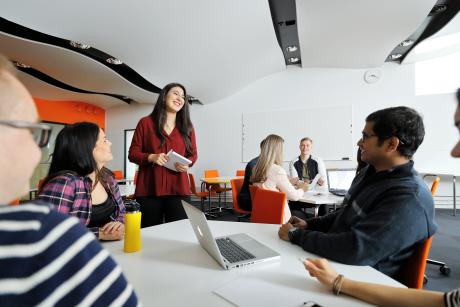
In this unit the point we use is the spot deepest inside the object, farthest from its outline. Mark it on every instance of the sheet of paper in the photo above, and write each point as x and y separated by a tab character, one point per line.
255	292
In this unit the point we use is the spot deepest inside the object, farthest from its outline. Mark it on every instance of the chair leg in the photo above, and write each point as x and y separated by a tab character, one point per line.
443	268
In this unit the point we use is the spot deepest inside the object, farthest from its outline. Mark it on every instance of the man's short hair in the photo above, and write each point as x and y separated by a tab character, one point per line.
402	122
306	139
6	65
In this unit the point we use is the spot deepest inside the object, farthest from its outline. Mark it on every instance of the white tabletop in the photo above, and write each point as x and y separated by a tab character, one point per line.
127	189
321	198
173	270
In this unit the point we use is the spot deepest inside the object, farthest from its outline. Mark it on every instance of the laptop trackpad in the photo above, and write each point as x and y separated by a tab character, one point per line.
253	246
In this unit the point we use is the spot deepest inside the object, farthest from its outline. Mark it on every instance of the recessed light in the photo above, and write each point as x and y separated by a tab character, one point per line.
293	60
395	56
291	48
437	9
21	65
406	43
114	61
79	45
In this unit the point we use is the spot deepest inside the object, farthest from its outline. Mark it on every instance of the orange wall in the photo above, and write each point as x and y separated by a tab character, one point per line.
69	112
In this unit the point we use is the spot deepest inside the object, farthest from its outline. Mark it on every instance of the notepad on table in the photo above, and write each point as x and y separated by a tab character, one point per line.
174	157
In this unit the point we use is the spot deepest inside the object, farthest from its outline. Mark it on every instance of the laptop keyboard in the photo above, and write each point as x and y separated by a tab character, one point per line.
232	251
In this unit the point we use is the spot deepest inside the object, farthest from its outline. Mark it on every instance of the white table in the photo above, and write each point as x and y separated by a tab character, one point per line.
173	270
127	189
320	197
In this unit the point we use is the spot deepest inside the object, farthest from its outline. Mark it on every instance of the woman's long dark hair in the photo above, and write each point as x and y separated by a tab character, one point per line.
183	122
73	153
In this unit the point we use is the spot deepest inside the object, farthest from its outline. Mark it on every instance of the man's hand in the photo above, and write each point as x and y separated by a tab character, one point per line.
283	233
297	222
294	180
321	181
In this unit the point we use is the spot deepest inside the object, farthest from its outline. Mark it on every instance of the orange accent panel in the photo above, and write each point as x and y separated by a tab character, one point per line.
69	112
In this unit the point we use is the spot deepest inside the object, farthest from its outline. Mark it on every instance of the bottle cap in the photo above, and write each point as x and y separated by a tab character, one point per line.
132	206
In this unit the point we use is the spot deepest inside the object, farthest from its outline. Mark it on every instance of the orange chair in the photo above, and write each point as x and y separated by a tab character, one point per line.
445	270
240	172
201	195
15	202
217	188
135	177
118	174
413	272
236	188
268	207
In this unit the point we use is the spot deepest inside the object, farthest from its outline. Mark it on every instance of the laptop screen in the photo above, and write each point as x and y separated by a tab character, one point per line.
340	179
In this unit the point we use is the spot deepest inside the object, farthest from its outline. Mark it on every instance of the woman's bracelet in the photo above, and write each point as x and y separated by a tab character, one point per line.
337	285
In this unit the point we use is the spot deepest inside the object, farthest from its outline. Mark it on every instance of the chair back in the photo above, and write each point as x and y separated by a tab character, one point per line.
268	207
253	190
413	271
135	177
435	185
236	188
15	202
211	173
118	174
240	172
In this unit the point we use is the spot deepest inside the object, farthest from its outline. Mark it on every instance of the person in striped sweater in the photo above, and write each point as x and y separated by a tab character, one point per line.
46	258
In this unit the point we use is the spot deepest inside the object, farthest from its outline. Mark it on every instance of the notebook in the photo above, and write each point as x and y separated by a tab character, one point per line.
339	180
231	251
174	157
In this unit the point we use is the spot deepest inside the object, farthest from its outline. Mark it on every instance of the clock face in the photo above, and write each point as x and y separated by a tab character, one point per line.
372	76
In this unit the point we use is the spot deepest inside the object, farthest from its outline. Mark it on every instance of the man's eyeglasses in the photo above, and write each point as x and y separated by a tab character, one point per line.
366	136
40	132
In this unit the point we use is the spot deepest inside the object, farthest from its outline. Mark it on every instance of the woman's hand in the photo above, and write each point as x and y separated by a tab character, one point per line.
181	167
302	185
112	231
159	159
322	270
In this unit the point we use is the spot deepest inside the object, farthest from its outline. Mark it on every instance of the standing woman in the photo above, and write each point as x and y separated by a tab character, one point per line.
160	190
79	185
269	174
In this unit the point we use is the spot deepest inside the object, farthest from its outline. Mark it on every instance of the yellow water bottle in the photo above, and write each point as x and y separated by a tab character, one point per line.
132	227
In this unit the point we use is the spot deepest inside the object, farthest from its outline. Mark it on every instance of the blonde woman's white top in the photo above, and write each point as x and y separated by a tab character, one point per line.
277	180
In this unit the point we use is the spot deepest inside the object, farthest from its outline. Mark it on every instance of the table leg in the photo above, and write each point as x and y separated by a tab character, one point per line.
454	179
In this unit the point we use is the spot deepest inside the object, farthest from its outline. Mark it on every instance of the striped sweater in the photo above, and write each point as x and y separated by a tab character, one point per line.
48	259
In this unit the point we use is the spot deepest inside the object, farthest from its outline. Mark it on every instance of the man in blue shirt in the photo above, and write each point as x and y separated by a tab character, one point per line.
387	209
46	258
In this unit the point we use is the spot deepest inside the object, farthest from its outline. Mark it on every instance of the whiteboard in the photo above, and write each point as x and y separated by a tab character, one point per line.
330	128
130	168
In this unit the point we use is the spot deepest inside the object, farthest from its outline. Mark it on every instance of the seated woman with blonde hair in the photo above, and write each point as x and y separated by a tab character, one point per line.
269	174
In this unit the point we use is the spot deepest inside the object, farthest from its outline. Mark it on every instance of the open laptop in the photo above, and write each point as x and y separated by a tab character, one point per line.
232	251
339	180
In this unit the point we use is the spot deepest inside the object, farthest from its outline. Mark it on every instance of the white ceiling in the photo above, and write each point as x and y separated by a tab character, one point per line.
355	33
214	48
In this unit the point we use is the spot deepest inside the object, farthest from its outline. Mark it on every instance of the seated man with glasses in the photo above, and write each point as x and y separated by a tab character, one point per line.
46	258
387	209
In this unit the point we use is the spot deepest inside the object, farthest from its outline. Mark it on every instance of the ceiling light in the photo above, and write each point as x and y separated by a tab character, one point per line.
406	43
79	45
21	65
293	60
114	61
395	56
291	48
